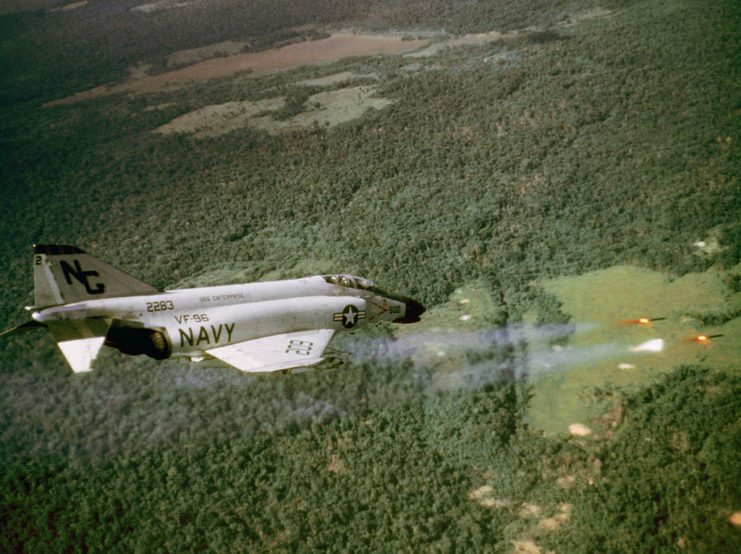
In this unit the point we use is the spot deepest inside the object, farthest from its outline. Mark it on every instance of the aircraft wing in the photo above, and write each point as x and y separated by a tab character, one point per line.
276	352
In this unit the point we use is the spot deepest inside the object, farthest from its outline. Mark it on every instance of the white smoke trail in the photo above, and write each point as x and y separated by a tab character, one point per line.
518	352
454	342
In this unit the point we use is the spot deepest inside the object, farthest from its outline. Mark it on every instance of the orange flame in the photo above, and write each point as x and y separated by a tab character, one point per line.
642	320
702	338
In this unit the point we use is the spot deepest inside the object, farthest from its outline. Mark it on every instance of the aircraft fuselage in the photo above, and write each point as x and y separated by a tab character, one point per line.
195	320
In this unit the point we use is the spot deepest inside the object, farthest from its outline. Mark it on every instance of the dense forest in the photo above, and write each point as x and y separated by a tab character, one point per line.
571	145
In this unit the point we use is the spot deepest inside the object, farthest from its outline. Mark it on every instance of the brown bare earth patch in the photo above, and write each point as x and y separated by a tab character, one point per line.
325	109
70	7
526	546
333	48
336	465
158	6
527	510
215	120
558	520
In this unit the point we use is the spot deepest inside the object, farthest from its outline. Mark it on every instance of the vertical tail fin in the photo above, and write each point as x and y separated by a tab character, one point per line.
64	274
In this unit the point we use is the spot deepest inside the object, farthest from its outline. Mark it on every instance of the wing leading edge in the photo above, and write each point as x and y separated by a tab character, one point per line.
276	352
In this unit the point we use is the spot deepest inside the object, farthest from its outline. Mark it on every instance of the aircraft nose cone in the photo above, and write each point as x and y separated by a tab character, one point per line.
412	313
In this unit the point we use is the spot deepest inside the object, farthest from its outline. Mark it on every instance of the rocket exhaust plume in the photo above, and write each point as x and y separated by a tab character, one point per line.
653	345
518	351
442	343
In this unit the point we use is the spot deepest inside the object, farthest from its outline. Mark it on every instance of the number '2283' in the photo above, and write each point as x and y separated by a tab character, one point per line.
160	306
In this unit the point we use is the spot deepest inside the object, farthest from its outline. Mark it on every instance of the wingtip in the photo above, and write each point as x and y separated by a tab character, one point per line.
23	327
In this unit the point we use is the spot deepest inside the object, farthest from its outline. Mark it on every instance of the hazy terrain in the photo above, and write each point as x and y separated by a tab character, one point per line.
540	174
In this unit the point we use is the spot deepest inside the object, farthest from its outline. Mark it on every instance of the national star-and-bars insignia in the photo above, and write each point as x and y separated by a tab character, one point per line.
349	316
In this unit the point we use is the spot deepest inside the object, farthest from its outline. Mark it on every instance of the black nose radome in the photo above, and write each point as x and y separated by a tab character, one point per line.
413	310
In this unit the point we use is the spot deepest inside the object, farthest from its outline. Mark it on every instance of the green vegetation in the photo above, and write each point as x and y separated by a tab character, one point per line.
387	476
687	431
587	143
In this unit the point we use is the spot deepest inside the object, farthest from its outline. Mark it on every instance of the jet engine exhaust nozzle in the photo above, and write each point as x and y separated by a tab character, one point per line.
412	313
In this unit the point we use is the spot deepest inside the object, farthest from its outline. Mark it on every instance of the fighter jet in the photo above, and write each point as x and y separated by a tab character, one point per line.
255	327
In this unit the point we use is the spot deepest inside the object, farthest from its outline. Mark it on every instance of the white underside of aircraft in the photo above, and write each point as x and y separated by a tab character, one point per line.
255	327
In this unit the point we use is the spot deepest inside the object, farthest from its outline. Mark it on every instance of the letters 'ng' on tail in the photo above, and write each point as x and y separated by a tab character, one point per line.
64	274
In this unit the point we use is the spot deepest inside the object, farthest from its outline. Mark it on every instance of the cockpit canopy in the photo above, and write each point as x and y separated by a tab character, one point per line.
350	281
360	283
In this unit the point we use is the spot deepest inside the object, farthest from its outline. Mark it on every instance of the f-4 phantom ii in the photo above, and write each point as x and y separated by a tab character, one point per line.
255	327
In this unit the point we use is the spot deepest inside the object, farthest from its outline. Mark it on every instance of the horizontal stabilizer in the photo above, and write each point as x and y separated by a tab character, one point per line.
79	341
24	327
277	352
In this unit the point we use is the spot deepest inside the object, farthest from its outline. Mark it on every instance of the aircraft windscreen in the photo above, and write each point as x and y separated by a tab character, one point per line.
352	282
